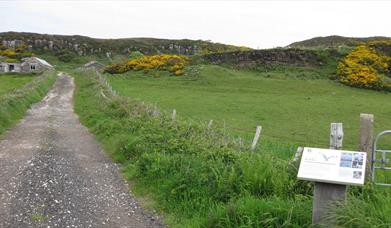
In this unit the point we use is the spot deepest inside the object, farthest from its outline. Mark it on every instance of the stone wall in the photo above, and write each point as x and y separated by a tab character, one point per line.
268	56
6	67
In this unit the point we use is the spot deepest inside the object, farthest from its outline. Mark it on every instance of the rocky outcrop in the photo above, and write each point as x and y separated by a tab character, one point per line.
269	56
82	45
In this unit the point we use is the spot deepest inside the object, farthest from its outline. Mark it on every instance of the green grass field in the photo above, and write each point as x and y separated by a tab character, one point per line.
9	82
197	177
290	104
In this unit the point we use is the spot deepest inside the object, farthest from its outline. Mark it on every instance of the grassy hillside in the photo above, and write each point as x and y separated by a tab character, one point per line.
290	107
63	45
9	82
334	41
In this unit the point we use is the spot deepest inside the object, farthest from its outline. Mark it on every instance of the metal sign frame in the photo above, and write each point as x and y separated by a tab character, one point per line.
383	159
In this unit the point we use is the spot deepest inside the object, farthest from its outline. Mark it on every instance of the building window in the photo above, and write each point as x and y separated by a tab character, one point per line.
32	67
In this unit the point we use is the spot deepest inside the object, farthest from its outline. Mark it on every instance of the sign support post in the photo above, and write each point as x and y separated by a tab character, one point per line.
366	140
326	193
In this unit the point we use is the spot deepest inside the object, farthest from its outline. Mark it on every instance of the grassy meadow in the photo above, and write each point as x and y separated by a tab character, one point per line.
9	82
294	105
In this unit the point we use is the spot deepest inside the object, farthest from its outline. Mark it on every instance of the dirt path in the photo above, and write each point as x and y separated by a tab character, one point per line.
53	173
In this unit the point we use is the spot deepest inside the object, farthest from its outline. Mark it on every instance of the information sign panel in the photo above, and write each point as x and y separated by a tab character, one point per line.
333	166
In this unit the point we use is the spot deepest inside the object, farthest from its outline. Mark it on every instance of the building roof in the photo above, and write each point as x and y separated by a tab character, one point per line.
43	62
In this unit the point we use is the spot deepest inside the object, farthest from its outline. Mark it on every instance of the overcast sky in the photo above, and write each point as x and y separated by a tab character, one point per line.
257	24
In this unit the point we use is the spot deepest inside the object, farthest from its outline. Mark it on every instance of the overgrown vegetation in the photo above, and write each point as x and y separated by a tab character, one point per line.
14	104
202	177
193	172
164	62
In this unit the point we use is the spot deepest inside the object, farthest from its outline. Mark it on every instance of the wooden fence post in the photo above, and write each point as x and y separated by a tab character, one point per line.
298	154
325	193
366	140
173	115
256	137
210	124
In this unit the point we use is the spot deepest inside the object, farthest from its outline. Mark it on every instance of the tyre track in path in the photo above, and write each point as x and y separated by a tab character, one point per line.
53	173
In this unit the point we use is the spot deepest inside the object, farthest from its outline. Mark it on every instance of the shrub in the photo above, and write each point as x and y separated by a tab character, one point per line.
15	55
364	67
135	55
8	53
172	63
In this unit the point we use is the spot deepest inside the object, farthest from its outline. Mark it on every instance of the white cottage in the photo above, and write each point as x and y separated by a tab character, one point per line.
28	65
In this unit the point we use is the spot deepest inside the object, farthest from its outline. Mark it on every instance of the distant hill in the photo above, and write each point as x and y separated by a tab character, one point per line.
334	42
83	45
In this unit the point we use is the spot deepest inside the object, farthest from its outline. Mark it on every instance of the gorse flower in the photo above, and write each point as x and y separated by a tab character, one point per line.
165	62
363	67
14	55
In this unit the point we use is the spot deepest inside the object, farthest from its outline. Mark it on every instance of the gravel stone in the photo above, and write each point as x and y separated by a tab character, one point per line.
55	174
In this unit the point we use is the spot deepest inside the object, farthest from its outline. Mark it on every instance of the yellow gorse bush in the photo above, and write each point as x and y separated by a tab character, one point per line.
165	62
14	55
363	68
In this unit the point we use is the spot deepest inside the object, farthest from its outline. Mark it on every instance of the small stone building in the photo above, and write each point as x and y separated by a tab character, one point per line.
9	67
94	65
28	65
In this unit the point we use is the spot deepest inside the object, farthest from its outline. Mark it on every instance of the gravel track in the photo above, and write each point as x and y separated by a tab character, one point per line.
53	173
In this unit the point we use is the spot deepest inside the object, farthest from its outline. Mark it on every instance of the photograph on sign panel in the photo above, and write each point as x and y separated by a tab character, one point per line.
346	160
357	174
358	159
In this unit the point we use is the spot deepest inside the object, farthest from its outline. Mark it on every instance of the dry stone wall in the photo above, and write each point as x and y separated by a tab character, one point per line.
269	56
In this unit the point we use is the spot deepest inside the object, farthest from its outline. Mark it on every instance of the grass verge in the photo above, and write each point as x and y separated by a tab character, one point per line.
13	105
11	81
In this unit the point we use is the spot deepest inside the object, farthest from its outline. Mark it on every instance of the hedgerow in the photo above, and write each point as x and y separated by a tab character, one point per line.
172	63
